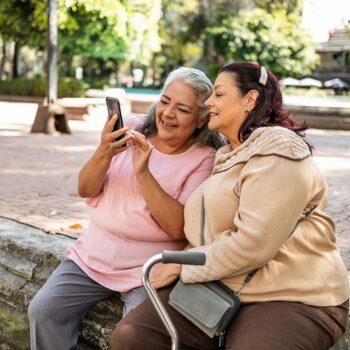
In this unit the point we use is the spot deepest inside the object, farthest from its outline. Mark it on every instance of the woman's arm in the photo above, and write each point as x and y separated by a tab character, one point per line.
93	173
273	193
166	210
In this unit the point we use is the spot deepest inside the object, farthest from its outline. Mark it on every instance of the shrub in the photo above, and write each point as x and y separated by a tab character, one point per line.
67	87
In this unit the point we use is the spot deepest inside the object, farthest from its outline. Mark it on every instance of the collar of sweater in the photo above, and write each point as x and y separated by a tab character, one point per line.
263	141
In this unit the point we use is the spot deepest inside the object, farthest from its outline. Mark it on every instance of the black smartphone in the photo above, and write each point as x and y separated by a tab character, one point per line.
113	108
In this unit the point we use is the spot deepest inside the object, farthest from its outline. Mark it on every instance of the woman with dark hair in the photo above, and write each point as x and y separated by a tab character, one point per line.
137	195
263	214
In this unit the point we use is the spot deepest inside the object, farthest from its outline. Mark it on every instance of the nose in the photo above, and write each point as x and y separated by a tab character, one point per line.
208	102
169	112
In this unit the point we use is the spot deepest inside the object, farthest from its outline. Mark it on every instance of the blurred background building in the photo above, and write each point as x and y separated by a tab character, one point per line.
329	24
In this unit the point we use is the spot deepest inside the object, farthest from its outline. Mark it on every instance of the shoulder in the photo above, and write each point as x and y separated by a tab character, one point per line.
205	150
265	141
195	159
279	141
201	153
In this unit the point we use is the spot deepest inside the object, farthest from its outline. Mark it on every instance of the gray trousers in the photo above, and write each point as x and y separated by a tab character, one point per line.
60	305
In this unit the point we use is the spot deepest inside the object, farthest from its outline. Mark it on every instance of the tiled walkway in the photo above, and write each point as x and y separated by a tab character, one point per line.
38	173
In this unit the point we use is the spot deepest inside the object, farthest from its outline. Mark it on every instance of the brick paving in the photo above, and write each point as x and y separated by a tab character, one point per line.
38	173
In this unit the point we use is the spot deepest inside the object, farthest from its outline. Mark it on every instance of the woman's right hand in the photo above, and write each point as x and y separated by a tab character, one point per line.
108	144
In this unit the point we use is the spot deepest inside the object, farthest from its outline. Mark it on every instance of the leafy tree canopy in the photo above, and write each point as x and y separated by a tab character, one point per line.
102	29
178	31
274	40
87	31
289	6
142	30
23	21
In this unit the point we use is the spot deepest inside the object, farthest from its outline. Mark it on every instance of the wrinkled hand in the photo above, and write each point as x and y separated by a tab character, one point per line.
141	151
108	144
165	274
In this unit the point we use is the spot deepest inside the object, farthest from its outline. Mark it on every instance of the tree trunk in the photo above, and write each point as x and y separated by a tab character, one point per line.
48	118
3	59
15	63
144	74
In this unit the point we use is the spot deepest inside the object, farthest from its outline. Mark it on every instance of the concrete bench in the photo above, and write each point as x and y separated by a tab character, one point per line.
70	108
80	108
27	258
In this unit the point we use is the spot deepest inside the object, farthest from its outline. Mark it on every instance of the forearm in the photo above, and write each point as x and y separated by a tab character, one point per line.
93	174
166	210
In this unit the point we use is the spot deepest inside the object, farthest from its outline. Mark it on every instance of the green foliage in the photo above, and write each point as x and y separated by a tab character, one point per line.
289	6
142	30
100	33
23	21
89	33
183	31
181	27
106	32
14	332
69	87
275	40
36	87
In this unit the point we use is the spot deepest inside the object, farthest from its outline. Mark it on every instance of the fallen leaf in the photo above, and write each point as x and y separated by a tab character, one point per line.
76	226
44	194
73	194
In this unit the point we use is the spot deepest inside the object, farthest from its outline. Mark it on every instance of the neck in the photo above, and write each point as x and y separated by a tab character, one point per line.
169	148
234	142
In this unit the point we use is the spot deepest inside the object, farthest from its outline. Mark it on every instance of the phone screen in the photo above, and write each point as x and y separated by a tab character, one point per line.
113	108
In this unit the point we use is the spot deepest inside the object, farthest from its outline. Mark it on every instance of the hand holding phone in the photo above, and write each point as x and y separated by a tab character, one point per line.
113	108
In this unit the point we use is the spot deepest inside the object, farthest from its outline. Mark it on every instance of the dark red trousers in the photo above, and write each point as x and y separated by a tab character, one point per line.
276	325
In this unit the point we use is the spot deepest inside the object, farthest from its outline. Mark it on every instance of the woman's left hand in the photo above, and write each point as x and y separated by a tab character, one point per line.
141	151
165	274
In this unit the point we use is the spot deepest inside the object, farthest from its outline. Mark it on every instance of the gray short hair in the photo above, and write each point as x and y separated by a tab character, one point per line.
202	87
195	79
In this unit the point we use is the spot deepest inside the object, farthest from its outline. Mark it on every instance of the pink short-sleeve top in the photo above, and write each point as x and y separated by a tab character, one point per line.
122	233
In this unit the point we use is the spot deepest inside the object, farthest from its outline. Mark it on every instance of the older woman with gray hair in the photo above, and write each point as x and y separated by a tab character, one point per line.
136	195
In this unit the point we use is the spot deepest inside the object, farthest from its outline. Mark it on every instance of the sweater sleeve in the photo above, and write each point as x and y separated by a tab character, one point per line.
273	192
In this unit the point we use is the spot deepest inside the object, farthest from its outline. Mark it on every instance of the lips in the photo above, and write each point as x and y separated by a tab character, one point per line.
168	125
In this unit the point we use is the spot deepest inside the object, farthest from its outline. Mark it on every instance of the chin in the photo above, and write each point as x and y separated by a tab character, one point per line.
212	126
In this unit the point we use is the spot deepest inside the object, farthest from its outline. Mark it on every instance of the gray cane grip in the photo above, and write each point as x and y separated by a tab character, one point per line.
183	257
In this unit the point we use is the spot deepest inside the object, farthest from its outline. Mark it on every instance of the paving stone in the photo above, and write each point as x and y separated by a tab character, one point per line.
38	179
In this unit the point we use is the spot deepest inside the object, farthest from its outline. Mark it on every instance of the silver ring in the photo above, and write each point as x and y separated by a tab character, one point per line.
111	146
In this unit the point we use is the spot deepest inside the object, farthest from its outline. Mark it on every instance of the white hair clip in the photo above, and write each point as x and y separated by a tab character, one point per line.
263	76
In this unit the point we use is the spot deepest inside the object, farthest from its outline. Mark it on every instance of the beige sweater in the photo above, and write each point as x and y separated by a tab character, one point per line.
253	200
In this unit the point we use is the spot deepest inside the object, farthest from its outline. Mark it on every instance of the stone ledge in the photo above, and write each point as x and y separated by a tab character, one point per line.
27	258
322	117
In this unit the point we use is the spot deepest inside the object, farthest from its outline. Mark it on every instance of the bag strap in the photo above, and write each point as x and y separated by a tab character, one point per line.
251	273
201	238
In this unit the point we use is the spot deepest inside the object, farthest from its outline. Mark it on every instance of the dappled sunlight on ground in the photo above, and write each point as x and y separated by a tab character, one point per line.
330	164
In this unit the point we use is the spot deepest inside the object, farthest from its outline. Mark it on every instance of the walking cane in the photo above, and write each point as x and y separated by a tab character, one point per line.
167	257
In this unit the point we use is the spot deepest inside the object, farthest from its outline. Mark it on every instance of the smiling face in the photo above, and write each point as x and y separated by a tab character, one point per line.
228	108
177	117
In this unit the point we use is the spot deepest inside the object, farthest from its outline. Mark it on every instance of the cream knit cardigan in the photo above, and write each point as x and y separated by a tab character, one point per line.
253	200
